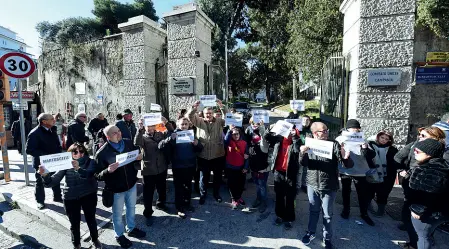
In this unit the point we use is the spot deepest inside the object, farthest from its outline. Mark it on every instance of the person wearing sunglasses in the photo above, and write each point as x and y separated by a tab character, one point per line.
80	193
406	161
427	196
76	131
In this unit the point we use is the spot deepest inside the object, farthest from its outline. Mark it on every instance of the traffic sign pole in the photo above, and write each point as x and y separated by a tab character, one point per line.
22	135
4	145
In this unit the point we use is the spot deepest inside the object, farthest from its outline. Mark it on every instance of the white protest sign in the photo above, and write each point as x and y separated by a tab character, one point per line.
297	122
126	158
184	136
320	148
152	118
299	105
235	119
354	137
155	107
57	162
208	100
282	128
263	115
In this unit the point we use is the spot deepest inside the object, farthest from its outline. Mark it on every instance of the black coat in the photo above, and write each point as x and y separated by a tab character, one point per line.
96	124
42	142
15	128
405	158
76	133
123	178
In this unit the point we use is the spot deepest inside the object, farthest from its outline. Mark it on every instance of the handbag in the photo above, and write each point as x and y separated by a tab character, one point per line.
107	198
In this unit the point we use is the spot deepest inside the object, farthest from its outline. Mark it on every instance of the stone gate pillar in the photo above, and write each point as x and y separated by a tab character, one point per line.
189	33
143	42
379	39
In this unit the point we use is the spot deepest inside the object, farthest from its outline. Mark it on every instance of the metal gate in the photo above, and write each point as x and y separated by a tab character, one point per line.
162	87
334	93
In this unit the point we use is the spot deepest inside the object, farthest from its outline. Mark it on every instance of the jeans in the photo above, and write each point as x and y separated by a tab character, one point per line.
364	192
39	191
205	167
182	178
261	181
285	189
424	229
321	201
73	208
236	181
151	182
129	199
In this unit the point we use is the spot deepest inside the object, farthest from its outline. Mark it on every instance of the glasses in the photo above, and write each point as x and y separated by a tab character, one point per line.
78	151
324	131
422	135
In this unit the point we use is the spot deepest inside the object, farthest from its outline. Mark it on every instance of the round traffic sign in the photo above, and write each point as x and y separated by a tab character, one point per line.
17	65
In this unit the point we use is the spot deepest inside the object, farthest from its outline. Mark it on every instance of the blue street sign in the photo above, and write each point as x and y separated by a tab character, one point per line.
432	75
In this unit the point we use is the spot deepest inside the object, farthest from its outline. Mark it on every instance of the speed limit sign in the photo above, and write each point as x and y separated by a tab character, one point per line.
17	65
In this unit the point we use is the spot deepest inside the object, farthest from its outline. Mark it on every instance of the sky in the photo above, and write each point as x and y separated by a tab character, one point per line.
21	16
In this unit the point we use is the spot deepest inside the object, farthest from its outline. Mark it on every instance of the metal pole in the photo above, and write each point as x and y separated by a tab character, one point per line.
226	65
4	145
294	86
22	134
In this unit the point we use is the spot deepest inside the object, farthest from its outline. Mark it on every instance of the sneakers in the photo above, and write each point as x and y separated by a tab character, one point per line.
97	244
124	242
202	200
278	221
308	238
234	205
256	203
288	225
368	220
241	202
40	206
136	233
345	214
327	244
218	198
262	207
406	245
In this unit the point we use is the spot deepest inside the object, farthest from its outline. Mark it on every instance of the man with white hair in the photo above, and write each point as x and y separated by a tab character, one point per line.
121	181
43	140
76	132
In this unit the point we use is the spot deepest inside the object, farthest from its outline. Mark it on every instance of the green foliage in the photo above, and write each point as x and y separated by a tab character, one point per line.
314	39
434	14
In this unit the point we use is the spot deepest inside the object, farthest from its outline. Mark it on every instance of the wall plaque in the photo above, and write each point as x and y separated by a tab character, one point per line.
384	77
182	85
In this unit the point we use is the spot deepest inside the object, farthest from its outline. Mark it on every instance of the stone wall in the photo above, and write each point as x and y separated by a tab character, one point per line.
98	64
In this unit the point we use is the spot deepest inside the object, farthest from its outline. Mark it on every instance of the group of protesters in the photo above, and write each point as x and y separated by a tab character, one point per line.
373	166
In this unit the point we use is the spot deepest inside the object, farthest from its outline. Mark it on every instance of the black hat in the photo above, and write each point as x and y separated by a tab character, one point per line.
352	123
127	111
431	147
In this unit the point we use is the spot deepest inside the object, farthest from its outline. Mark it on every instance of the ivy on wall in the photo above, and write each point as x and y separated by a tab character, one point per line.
434	14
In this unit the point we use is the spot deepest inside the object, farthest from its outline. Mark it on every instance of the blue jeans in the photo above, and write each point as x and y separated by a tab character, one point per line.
261	181
424	229
129	199
321	201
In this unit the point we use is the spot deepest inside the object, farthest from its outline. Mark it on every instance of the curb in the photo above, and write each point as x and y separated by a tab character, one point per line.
24	239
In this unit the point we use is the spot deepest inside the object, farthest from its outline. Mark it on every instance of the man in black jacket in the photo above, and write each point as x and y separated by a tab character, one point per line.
96	124
121	180
322	184
16	132
43	140
76	132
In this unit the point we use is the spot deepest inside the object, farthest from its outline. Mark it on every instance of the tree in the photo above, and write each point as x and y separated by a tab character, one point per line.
433	14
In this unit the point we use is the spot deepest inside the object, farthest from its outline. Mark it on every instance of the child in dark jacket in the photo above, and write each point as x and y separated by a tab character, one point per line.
183	158
236	164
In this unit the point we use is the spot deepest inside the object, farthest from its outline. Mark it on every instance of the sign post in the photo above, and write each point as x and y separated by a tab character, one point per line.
19	66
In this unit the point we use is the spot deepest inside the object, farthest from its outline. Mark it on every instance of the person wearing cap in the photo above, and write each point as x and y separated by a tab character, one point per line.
356	174
386	168
428	195
444	126
322	183
127	126
96	124
209	131
75	131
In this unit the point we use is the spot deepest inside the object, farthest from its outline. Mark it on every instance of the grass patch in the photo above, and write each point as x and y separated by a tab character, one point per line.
14	205
312	108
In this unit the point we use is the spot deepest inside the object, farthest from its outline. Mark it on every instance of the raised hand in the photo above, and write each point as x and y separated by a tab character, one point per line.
113	167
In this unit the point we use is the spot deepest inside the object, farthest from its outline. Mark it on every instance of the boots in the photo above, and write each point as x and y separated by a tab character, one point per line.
380	210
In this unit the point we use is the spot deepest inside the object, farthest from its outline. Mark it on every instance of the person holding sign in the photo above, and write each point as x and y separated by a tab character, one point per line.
183	159
121	182
154	168
284	162
209	131
322	179
43	140
236	165
357	174
80	192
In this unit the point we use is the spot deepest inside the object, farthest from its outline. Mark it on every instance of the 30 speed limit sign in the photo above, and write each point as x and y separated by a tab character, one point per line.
17	65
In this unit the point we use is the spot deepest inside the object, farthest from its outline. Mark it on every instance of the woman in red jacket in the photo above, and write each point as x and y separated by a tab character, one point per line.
236	164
